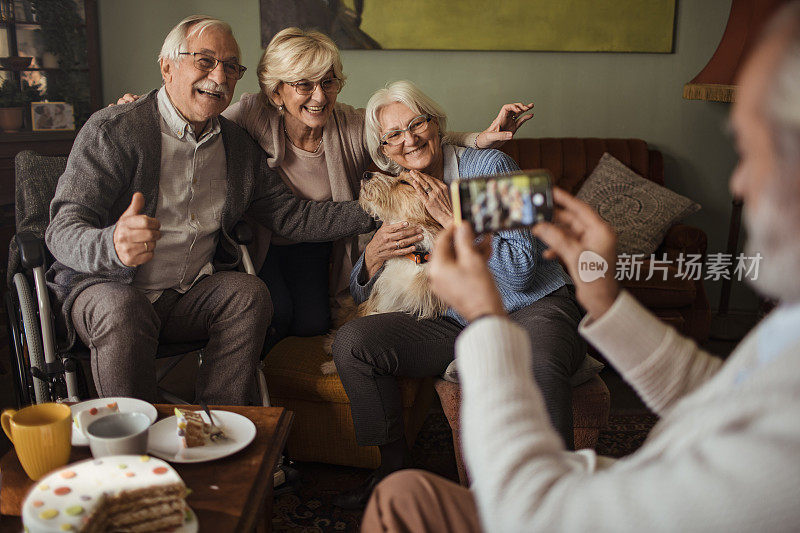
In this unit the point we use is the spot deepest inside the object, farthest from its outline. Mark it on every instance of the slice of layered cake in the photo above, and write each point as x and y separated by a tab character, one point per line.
193	431
117	493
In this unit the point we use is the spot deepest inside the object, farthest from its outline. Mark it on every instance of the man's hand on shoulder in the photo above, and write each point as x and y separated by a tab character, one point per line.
135	235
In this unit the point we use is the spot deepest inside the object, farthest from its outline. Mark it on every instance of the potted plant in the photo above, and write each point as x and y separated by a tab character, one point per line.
13	100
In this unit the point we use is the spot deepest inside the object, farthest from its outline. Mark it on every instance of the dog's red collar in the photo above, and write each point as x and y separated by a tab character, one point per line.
419	257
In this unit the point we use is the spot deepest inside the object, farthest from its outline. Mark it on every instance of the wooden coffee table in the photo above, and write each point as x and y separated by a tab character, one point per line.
229	494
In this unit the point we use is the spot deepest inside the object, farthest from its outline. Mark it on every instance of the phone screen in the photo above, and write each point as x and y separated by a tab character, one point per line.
494	203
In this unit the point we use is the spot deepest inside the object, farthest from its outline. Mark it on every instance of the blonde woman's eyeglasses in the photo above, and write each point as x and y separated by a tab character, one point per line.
306	87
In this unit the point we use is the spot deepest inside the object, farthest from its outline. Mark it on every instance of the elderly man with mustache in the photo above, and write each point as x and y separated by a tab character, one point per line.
141	226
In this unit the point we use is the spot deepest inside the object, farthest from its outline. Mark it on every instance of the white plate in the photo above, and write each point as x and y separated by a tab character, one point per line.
163	439
189	526
126	405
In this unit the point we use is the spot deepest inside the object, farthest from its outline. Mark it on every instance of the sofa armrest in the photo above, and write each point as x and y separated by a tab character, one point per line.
681	238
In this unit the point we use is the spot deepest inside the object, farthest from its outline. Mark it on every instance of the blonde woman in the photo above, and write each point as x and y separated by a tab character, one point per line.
317	146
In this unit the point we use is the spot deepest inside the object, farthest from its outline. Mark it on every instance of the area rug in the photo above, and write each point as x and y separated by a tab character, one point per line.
310	507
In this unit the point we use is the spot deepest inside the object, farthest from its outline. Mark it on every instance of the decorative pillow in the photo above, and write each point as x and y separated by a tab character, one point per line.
639	210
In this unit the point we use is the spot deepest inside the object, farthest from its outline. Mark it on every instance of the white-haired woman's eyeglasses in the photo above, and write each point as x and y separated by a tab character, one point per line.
417	125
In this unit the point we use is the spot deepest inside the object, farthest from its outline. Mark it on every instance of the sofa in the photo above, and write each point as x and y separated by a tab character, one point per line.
323	430
679	302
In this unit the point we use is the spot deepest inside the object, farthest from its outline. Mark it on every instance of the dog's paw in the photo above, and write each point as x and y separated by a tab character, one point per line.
328	367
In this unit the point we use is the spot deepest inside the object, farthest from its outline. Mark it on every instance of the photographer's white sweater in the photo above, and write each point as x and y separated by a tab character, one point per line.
724	457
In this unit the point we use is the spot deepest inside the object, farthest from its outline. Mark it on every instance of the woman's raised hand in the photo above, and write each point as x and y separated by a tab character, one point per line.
578	235
391	240
503	128
434	194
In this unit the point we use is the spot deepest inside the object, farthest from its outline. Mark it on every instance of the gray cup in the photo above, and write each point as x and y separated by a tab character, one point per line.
119	434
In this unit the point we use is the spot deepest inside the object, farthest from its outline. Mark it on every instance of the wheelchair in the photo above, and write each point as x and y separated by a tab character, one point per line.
42	372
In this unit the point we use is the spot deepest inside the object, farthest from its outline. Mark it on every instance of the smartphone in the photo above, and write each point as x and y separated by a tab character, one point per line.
505	201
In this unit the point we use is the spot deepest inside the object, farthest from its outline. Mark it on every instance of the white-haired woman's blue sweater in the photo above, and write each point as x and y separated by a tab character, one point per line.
523	276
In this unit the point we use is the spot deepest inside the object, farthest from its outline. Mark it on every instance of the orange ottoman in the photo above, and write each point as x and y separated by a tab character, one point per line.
591	403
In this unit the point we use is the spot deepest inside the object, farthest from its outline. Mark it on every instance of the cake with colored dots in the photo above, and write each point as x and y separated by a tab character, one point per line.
130	493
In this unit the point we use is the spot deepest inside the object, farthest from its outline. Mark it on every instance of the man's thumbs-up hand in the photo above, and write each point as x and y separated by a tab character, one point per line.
135	235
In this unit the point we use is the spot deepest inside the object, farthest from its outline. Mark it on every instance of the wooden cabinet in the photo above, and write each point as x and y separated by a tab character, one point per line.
53	45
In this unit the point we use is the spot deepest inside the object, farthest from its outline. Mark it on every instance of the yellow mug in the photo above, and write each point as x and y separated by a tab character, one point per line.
41	435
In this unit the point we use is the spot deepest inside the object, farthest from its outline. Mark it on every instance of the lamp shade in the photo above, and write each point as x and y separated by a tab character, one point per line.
716	81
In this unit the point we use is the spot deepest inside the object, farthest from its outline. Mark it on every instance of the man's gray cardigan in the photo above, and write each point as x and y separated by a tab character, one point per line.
117	153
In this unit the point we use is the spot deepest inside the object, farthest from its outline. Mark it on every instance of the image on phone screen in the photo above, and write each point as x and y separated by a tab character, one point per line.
504	202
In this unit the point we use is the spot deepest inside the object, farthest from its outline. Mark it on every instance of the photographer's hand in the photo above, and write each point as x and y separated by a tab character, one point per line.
577	228
460	276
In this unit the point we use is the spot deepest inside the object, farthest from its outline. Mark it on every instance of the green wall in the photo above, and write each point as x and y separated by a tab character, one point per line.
576	94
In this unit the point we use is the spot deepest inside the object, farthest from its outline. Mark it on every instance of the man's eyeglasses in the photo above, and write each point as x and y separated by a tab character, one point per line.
305	87
207	63
417	125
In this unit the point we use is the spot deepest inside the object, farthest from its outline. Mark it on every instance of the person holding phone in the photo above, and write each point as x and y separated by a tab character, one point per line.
725	454
405	129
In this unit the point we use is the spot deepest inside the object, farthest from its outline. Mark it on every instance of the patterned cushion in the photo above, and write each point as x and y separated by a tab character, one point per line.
640	210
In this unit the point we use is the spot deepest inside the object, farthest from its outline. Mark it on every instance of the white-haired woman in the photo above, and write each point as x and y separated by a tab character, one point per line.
405	129
317	146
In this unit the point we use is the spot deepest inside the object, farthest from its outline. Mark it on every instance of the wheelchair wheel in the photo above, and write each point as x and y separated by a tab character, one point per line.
21	379
33	337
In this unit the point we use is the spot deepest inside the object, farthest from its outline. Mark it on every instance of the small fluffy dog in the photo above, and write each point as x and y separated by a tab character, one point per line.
403	284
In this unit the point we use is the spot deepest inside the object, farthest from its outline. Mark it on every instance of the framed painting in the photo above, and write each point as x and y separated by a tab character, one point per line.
543	25
52	116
